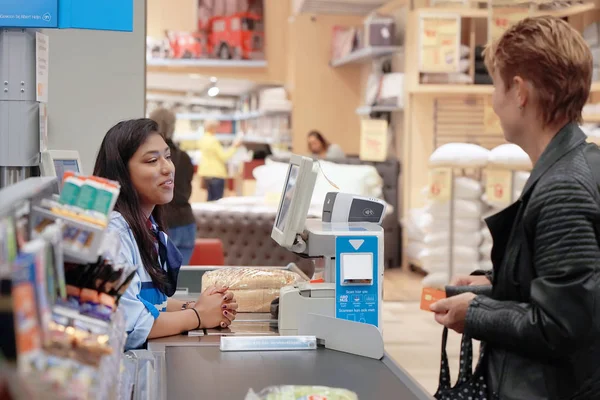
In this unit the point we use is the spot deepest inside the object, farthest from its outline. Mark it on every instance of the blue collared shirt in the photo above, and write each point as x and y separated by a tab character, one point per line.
142	302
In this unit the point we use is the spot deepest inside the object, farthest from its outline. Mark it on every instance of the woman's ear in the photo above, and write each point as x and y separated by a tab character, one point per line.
521	91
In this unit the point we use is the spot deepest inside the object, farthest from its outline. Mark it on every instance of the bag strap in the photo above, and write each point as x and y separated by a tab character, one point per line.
444	383
466	362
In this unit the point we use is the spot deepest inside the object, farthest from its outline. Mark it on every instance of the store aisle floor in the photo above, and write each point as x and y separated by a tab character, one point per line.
413	339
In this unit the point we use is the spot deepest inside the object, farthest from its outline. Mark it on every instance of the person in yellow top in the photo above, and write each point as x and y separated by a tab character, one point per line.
213	169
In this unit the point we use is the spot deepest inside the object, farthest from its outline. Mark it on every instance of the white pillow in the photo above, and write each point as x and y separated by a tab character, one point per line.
462	209
467	188
486	234
459	225
458	269
486	251
486	265
509	155
521	178
459	155
269	178
443	239
461	254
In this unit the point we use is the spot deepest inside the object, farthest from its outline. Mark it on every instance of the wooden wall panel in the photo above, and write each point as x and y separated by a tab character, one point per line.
324	98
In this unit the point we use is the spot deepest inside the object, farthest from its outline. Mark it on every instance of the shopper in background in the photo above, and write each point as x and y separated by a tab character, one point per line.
321	148
136	155
213	164
179	217
541	323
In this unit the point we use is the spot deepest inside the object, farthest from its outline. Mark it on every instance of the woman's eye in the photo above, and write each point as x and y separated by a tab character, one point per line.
168	156
152	160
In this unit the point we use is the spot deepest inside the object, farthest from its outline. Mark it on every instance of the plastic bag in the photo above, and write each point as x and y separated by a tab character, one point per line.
301	393
250	278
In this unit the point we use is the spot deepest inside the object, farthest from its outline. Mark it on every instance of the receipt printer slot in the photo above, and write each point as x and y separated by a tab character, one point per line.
357	269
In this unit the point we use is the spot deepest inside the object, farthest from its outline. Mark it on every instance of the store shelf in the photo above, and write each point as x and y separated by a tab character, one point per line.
367	110
337	7
452	89
365	54
206	116
239	116
215	63
483	12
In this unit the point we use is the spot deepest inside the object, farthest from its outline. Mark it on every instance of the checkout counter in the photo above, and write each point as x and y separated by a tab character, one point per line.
350	354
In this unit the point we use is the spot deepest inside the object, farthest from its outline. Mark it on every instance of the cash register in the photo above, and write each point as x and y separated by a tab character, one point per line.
343	310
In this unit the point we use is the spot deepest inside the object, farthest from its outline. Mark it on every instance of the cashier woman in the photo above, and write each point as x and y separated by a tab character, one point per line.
136	156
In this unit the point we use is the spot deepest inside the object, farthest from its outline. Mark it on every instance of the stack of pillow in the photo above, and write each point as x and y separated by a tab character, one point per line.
509	157
465	226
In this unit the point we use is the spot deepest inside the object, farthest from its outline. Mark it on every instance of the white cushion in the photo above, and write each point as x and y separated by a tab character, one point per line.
486	251
443	239
459	155
461	254
431	224
462	209
486	265
362	180
509	155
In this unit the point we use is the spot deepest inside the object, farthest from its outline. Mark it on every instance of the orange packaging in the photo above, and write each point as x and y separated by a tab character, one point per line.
430	296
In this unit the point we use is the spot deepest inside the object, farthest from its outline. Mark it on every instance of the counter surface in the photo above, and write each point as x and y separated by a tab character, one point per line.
196	367
229	375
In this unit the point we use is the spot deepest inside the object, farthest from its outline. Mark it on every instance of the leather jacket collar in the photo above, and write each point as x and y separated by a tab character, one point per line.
569	137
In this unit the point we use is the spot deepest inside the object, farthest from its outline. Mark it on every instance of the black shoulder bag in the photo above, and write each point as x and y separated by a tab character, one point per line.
470	385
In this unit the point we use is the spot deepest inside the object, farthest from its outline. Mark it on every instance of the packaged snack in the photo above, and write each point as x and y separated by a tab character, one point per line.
70	190
301	393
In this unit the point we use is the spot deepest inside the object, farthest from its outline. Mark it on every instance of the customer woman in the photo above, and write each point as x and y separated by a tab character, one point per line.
321	148
179	217
135	155
213	167
541	322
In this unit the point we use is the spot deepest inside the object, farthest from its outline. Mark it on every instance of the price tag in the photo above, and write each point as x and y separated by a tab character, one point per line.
491	122
373	140
501	18
498	187
440	184
439	43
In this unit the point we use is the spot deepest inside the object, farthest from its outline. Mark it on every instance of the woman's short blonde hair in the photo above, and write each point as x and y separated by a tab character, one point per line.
165	120
211	125
550	54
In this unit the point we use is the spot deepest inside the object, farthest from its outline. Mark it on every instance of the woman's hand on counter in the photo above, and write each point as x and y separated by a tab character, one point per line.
216	307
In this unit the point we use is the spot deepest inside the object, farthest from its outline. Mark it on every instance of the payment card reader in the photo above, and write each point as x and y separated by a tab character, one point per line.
344	311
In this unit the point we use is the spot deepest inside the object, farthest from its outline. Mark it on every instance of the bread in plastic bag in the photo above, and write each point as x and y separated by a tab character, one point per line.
255	300
301	393
250	278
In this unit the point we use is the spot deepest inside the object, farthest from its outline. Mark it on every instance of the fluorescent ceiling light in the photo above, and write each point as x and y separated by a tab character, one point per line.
213	91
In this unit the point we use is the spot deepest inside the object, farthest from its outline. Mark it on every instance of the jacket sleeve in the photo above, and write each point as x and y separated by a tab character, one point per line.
562	310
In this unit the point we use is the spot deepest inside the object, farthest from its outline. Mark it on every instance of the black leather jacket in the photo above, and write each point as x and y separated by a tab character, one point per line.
542	320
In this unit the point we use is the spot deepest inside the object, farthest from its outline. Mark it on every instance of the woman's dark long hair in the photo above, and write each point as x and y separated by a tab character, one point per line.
317	135
119	145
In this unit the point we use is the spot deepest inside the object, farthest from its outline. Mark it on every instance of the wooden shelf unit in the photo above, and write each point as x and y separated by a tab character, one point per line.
437	113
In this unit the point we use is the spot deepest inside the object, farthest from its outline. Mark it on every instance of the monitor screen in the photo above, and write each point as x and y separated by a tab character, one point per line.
62	166
288	194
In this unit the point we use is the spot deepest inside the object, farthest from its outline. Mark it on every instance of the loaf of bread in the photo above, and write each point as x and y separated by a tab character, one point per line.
255	300
249	278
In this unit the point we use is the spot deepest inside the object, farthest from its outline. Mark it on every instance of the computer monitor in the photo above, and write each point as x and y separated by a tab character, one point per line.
57	162
295	200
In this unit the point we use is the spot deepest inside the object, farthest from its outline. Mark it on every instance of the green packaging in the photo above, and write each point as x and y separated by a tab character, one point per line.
70	191
87	195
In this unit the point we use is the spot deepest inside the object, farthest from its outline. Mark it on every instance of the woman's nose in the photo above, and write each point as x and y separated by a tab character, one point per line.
167	167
